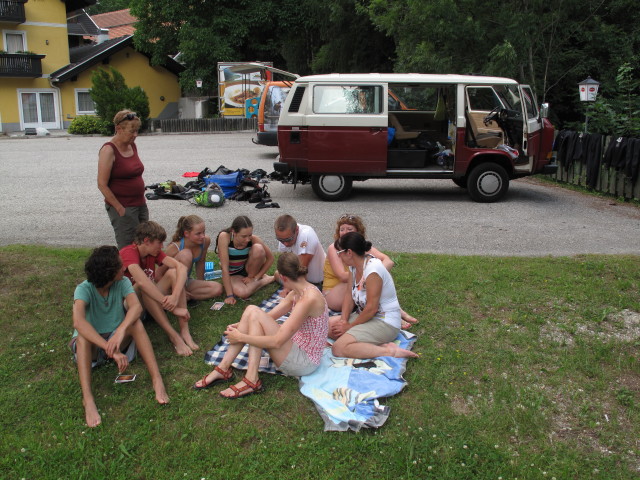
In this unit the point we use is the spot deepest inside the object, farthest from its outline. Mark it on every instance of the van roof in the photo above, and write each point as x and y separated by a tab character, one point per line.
407	78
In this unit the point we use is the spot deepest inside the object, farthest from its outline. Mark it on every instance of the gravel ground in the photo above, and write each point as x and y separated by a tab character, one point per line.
48	196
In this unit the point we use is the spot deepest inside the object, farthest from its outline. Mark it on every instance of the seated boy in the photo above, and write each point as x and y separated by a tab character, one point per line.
140	260
104	329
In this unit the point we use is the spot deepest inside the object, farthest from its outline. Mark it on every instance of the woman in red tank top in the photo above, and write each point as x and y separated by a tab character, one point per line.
120	178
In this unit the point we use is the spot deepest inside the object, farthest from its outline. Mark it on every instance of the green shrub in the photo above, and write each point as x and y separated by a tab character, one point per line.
88	124
110	94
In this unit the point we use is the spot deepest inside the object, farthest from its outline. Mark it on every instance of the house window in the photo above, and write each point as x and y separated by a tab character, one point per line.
84	103
14	41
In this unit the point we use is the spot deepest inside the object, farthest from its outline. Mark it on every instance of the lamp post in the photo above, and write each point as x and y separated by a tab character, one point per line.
588	93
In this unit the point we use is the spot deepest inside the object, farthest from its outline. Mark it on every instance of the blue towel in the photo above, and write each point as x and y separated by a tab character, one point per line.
345	396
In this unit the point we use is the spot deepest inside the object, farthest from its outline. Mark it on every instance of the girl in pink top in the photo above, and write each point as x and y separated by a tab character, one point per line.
296	346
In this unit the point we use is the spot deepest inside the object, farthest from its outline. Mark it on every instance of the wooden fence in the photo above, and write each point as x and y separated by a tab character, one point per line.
610	181
195	125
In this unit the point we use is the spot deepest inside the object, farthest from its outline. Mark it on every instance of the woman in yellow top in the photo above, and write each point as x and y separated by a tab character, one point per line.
336	274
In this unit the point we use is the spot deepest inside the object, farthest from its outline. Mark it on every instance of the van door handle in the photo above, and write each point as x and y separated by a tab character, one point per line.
375	129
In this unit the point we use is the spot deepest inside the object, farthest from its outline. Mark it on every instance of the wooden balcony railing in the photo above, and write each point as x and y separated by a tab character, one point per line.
12	11
20	65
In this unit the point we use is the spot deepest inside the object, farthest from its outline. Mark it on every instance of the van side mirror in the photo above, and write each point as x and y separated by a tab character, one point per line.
544	110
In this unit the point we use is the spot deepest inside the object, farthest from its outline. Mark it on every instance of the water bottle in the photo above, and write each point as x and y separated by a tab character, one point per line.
210	273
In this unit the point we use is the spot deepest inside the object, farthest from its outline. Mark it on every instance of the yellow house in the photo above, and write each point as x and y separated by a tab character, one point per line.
48	85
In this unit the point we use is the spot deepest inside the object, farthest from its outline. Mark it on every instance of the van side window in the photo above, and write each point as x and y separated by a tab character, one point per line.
482	99
343	99
297	99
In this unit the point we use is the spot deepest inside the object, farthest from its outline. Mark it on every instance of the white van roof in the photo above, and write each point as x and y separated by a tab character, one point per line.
407	78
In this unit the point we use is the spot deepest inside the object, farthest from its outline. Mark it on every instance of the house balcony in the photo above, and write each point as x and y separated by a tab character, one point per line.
20	65
12	11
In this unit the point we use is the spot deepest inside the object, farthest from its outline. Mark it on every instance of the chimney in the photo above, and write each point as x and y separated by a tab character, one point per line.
103	36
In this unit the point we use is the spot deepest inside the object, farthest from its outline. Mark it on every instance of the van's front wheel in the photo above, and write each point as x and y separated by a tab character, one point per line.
488	182
331	187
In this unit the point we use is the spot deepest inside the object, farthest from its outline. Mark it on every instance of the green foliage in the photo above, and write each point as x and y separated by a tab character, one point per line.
617	111
111	94
87	125
104	6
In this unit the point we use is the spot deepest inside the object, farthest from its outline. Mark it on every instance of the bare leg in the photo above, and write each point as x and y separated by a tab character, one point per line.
203	290
166	285
348	346
335	296
257	323
158	313
83	353
143	344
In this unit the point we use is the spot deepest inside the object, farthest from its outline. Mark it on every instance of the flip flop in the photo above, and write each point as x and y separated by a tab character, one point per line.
226	376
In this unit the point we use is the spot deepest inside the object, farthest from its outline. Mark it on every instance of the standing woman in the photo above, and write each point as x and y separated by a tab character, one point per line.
120	178
189	246
371	330
244	260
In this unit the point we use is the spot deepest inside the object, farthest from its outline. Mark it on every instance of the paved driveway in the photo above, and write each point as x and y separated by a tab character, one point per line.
48	195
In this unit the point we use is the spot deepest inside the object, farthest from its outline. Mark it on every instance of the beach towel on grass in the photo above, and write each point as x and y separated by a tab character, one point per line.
345	391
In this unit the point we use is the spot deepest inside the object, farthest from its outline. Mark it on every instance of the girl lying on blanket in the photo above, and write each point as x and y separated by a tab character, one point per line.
295	347
189	246
369	331
336	274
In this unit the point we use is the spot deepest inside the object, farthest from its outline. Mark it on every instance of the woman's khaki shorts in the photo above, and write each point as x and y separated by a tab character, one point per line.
297	363
374	331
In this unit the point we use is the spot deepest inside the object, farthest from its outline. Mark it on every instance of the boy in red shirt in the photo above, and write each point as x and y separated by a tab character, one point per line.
140	260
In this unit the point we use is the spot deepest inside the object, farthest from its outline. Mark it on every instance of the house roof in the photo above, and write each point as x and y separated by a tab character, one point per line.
81	24
119	23
84	57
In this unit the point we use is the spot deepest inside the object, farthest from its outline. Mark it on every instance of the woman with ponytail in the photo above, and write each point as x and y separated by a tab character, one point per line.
296	346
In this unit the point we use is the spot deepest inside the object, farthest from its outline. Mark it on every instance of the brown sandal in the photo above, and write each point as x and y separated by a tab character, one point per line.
226	376
238	391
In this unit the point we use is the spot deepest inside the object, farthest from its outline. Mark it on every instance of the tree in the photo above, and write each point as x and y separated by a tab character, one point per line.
104	6
111	94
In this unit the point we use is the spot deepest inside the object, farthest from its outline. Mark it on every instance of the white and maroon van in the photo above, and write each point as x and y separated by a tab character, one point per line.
477	131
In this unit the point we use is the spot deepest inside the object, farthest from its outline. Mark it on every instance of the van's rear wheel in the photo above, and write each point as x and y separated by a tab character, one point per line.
331	187
488	182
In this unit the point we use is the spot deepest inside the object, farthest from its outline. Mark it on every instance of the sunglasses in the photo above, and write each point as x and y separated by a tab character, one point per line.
128	116
289	239
351	218
341	251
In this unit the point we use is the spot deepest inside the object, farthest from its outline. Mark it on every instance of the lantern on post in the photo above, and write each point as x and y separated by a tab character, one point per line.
588	93
199	83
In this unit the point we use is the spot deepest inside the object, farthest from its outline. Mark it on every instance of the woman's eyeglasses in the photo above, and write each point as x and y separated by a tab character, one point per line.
128	116
341	251
351	218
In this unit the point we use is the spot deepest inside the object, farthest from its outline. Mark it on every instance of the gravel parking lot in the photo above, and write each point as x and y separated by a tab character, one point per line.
48	196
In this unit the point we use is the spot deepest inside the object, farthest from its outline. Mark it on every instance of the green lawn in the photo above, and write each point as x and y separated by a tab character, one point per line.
529	370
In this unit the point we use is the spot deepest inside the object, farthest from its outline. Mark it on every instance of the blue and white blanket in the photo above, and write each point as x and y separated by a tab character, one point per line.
345	391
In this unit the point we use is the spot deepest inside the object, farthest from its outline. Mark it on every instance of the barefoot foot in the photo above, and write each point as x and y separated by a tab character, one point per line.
407	318
186	336
396	351
161	395
91	414
181	347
